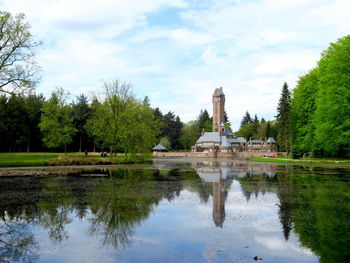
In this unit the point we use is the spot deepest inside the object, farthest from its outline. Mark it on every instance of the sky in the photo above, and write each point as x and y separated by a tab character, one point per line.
177	52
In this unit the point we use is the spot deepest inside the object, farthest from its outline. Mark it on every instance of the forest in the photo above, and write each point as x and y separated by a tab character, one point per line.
313	120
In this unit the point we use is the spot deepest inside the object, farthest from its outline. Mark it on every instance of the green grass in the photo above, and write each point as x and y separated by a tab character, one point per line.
302	160
40	159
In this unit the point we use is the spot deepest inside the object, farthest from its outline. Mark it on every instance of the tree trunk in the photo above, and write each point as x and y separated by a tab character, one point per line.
28	144
110	155
94	146
80	143
65	150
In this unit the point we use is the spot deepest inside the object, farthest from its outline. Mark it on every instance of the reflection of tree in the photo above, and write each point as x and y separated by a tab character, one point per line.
17	210
17	242
119	205
315	203
321	214
55	208
253	185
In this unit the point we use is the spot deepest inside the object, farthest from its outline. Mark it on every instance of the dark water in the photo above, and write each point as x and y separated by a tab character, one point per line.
178	212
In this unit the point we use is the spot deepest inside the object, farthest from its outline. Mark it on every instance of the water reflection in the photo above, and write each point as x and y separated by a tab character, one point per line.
117	205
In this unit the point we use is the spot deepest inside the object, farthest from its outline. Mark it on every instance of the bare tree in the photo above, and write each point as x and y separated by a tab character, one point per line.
19	72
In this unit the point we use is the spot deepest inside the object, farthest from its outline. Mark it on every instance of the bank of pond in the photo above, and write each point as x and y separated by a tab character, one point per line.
58	159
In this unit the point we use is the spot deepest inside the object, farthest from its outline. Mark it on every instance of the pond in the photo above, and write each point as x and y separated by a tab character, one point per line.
178	211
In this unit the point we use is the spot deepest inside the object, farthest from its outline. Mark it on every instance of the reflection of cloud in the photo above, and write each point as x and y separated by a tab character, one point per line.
278	243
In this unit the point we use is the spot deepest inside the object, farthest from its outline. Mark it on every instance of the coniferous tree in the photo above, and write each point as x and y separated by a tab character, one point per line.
283	119
202	119
81	113
226	120
246	119
256	119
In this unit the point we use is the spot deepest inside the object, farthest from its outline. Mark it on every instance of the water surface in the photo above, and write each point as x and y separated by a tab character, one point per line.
178	212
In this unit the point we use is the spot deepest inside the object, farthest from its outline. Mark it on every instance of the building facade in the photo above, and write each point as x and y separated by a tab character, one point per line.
222	140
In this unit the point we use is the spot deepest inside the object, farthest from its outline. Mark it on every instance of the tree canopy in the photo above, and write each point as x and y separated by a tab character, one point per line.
19	72
321	106
57	121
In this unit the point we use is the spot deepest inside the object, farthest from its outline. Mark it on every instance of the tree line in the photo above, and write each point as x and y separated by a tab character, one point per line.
313	120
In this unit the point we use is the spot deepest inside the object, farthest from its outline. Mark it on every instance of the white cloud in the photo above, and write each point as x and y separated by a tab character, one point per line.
248	47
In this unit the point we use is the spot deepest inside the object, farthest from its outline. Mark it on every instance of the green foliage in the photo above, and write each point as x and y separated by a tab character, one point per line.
303	108
18	69
171	128
246	119
56	121
247	131
321	106
120	121
283	119
255	129
203	119
332	114
19	119
165	142
190	134
81	113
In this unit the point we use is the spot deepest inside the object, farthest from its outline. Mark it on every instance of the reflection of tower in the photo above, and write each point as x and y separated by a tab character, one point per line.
218	109
219	198
216	176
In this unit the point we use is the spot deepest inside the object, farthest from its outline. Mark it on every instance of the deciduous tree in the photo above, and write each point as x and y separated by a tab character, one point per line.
57	121
19	72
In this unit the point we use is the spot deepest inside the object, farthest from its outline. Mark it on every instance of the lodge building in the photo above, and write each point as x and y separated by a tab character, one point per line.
222	140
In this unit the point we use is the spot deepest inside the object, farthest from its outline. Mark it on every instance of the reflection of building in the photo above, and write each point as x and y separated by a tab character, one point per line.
219	198
222	140
215	176
220	174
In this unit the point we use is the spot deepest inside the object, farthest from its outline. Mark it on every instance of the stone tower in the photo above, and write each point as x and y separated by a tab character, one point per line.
218	109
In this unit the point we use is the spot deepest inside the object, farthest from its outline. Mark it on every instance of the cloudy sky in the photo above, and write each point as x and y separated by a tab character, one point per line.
178	51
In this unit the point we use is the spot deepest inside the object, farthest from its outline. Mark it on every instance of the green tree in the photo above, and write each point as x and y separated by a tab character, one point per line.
190	134
121	122
108	115
172	129
332	114
81	113
247	131
33	109
302	112
226	120
202	119
18	69
283	118
165	142
56	121
139	129
246	119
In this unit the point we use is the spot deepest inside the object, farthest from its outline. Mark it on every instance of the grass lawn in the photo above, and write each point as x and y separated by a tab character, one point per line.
40	159
302	160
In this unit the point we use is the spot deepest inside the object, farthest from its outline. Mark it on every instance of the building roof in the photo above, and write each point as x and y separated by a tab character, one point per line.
210	137
225	142
228	132
237	139
159	147
218	92
270	139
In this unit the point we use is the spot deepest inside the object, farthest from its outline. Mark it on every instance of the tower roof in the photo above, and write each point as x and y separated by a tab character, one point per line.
218	92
